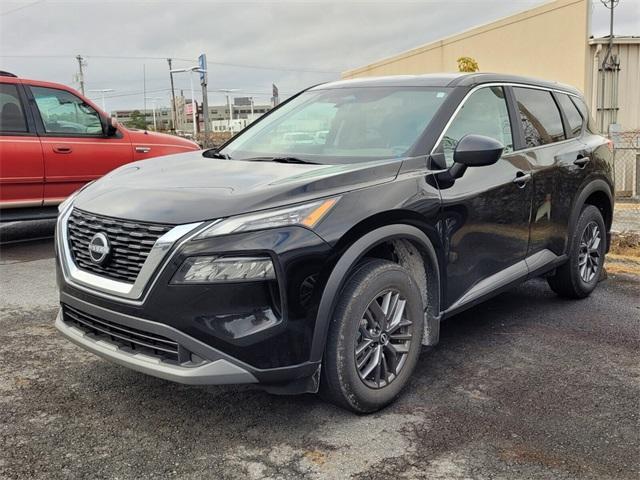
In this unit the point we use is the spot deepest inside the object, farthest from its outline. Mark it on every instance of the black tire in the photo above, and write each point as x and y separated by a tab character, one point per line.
570	280
341	382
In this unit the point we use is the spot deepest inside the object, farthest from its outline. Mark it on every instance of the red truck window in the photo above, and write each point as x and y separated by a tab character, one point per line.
12	118
63	112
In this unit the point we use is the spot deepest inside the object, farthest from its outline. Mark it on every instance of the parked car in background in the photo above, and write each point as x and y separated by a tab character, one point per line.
53	141
304	266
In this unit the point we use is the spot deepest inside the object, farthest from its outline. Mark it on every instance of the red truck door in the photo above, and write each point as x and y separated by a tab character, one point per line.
74	147
21	161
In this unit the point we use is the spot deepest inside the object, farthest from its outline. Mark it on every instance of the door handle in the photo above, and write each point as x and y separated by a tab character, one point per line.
522	179
581	161
143	149
62	149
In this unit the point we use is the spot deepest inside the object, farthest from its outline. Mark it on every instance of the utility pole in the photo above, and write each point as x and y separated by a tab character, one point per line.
80	72
609	75
202	62
611	5
173	100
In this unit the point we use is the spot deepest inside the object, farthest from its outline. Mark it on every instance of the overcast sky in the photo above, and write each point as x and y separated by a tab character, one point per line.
291	43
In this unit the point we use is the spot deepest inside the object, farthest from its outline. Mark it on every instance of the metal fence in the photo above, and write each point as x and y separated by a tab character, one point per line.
626	161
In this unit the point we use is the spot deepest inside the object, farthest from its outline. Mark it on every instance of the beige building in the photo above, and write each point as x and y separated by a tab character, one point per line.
551	42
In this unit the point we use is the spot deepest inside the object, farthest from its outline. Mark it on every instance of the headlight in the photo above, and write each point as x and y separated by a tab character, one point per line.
224	269
307	214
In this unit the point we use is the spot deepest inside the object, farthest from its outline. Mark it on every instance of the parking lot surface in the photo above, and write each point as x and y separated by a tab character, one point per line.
526	385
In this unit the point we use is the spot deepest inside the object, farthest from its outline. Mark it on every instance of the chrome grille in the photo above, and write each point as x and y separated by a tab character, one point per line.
129	339
130	242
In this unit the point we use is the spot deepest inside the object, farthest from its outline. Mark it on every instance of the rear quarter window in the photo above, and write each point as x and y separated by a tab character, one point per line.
584	111
574	118
539	116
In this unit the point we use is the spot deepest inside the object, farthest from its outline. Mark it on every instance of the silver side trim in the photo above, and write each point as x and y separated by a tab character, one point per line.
519	270
113	289
217	372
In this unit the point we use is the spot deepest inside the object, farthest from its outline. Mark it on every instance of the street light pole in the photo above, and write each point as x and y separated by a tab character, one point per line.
103	91
191	71
154	100
193	106
228	91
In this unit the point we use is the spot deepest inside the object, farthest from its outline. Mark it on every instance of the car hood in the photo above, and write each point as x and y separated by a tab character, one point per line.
188	187
155	138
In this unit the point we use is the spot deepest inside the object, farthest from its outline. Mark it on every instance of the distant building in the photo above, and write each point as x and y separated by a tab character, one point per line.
163	117
219	115
234	125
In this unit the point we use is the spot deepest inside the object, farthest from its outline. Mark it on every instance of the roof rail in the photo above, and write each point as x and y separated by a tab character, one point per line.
7	74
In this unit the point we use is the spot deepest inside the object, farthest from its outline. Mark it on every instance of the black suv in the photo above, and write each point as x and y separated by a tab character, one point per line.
324	244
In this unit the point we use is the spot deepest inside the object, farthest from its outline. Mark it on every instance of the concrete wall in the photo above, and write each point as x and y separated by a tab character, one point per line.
549	41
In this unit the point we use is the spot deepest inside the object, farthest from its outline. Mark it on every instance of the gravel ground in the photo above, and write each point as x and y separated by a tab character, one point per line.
524	386
626	217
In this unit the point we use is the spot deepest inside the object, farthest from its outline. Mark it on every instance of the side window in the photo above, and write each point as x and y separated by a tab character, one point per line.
64	113
12	119
540	117
484	113
573	115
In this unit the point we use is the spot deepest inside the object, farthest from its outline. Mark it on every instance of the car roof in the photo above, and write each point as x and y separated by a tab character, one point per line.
445	80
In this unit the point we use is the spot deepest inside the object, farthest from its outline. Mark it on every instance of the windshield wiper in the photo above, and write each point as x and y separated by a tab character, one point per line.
215	153
282	160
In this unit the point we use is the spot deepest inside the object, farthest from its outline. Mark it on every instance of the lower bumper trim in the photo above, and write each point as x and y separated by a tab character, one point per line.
216	372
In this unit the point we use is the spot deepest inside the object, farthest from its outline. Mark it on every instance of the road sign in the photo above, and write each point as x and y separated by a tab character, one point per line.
202	61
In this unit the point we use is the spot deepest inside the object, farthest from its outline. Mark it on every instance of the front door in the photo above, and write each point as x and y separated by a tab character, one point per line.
486	212
75	150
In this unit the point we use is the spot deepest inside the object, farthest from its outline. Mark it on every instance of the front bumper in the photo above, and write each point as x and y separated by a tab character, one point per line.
201	364
217	372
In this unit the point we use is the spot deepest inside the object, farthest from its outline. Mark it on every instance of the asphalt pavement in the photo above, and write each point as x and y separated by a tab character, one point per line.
526	385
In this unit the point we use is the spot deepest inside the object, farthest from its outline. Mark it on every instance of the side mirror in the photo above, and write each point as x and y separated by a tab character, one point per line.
475	151
109	126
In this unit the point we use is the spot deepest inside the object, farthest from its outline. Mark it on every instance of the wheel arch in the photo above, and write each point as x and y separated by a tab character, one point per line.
407	241
597	193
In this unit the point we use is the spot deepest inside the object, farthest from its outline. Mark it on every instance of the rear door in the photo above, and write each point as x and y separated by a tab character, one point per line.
555	153
21	160
74	147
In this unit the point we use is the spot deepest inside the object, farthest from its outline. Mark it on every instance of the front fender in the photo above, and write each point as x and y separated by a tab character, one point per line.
350	258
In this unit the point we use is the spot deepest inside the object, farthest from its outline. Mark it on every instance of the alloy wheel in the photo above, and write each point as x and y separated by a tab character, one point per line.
383	340
589	257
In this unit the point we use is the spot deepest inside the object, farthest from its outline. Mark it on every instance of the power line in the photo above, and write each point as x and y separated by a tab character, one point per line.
22	7
113	57
164	59
213	91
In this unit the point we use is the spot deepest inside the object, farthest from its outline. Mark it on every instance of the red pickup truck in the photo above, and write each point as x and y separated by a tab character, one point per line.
53	140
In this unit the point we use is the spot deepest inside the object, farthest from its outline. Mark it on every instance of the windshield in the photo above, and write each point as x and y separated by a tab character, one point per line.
343	125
